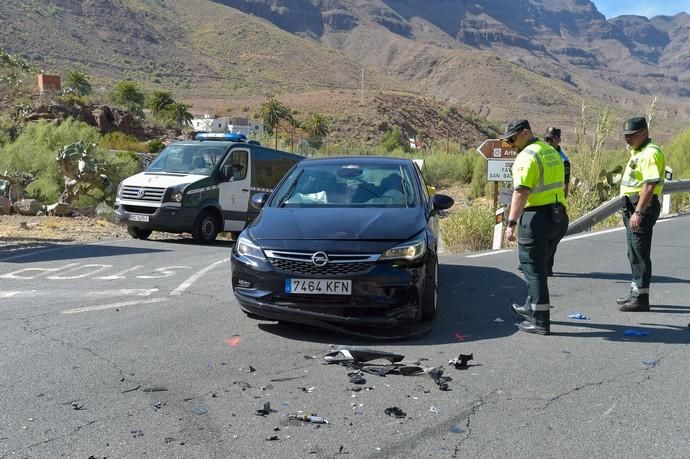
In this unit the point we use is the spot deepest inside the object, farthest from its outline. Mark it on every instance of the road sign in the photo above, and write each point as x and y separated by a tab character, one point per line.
500	171
497	149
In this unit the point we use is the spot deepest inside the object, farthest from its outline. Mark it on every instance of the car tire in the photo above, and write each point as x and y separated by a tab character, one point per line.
139	233
206	227
430	294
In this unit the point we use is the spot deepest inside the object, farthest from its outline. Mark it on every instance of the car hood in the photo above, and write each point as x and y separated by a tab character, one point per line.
162	180
339	224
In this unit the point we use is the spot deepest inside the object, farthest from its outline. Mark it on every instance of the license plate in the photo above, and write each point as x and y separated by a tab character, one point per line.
318	286
139	218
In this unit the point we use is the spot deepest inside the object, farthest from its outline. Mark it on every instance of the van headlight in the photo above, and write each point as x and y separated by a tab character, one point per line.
410	250
177	196
248	249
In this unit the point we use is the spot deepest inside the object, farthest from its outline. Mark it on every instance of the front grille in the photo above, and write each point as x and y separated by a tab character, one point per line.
140	209
337	265
150	194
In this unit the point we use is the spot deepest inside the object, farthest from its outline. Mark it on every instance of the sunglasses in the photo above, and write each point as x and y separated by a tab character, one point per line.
511	140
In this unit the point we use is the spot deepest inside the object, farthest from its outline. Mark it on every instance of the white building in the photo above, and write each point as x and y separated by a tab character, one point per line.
212	123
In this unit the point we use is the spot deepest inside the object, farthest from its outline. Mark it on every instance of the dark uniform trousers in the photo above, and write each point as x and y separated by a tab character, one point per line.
640	243
541	229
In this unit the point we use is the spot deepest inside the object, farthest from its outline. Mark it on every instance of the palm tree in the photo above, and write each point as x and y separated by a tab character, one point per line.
128	94
178	114
78	82
159	102
317	127
272	111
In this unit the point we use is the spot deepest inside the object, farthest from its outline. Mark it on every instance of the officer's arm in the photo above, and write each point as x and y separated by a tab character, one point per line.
646	194
517	203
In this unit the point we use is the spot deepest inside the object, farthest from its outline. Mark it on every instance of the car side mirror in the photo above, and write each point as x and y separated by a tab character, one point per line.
259	200
226	172
442	202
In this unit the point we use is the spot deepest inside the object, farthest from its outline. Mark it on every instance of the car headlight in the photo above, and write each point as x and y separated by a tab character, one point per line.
248	249
177	196
410	250
119	189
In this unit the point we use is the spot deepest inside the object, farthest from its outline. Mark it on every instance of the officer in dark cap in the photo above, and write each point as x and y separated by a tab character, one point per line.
553	138
641	186
538	212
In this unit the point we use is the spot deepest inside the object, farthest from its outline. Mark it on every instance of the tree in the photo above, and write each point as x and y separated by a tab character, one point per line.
317	127
159	102
178	114
128	94
78	82
271	112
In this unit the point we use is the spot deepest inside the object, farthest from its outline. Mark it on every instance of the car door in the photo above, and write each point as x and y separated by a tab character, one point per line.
234	189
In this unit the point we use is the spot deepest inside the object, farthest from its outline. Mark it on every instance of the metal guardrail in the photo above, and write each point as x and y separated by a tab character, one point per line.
612	206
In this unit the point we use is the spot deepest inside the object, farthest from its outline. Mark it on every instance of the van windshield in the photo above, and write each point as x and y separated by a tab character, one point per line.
188	159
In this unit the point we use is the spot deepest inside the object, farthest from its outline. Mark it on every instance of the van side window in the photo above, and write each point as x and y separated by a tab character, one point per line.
236	165
269	170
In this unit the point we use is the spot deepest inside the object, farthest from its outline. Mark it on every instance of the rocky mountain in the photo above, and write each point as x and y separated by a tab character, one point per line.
541	59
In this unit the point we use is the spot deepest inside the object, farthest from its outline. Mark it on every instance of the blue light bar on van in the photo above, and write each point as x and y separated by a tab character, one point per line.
228	136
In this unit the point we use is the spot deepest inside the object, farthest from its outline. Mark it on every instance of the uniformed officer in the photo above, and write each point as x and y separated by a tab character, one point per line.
538	212
641	185
553	138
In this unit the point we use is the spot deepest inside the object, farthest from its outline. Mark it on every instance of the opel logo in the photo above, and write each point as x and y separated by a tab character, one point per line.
319	259
141	193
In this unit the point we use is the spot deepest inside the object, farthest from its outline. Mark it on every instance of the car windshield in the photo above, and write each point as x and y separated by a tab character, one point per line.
347	185
188	159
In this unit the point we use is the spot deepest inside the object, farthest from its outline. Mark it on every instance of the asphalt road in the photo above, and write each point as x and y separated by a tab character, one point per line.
138	348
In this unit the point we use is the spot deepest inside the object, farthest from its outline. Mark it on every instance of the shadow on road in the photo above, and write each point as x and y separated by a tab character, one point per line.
622	277
466	312
56	252
657	333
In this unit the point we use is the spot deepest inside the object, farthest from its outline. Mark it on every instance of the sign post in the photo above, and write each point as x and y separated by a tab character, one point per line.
500	157
666	198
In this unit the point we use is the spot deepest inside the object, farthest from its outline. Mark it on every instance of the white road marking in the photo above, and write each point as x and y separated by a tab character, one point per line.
39	271
485	254
111	306
17	293
99	268
164	272
120	274
186	284
124	291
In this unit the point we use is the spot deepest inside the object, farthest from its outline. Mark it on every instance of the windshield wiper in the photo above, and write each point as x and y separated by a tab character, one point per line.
288	194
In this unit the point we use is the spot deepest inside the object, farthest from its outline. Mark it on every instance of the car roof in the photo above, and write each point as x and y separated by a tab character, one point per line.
224	143
392	160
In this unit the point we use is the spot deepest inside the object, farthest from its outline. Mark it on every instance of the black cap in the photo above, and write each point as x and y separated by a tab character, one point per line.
634	124
514	127
552	133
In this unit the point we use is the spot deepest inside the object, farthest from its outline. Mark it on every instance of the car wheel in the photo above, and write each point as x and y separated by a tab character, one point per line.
430	295
138	233
206	227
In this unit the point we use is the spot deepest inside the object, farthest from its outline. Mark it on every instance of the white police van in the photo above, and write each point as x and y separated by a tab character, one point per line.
201	186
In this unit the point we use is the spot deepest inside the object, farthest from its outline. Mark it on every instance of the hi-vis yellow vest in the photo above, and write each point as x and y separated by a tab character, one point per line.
539	168
647	165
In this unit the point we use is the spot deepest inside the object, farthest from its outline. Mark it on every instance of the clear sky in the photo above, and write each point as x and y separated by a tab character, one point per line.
649	8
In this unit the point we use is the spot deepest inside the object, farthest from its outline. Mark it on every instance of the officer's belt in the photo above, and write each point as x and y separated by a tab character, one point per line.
545	207
634	197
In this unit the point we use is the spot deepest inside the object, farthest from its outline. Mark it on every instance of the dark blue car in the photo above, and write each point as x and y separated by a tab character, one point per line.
346	240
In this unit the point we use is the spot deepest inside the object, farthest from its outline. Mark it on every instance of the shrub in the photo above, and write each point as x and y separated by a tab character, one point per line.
443	169
468	229
155	146
122	141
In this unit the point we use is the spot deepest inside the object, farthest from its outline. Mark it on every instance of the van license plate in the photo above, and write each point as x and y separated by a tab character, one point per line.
318	286
139	218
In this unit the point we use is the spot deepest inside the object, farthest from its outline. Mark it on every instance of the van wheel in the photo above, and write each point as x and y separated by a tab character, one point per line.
139	233
206	227
430	295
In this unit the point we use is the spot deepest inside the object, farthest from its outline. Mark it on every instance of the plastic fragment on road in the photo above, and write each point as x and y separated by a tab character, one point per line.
357	378
265	410
651	363
395	411
460	362
199	410
352	354
634	332
442	381
156	389
233	341
457	428
308	418
578	316
434	409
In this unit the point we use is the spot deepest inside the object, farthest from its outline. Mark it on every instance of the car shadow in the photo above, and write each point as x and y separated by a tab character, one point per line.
621	277
650	332
468	307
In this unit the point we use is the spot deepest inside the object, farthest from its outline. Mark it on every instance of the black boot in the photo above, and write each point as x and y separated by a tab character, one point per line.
523	312
636	304
540	323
